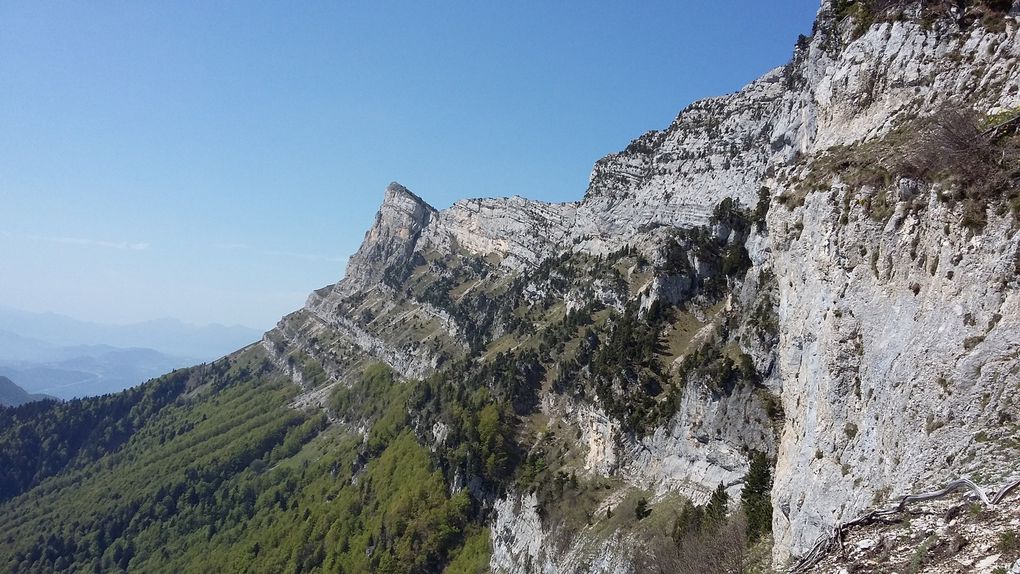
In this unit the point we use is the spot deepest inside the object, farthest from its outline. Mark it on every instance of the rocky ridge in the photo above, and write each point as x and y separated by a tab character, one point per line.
896	339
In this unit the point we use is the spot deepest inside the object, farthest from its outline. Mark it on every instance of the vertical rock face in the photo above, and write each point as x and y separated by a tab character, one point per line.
899	343
882	391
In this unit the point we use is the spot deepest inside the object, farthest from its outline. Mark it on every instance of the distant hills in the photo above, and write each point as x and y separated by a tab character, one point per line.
12	395
67	358
168	336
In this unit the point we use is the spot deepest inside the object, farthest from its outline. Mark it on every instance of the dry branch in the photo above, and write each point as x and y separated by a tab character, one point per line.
835	537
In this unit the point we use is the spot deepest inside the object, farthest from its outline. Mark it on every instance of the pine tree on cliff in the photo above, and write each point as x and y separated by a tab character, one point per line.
755	497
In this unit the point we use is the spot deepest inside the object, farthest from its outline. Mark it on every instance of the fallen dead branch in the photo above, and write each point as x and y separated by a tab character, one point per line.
835	538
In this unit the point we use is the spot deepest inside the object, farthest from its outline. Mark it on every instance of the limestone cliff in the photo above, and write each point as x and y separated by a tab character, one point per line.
878	349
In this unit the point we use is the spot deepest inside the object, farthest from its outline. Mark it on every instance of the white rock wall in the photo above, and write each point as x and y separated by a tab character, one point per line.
899	341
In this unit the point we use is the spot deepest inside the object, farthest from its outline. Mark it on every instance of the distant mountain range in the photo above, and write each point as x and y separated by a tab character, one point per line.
168	336
12	395
67	358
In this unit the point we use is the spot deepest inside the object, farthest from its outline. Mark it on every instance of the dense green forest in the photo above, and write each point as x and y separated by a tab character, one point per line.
228	478
210	470
40	439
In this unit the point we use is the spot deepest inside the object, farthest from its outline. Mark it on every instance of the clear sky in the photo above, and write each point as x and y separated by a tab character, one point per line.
216	161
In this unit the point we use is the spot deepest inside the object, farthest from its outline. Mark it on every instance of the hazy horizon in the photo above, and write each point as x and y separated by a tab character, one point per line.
128	323
215	164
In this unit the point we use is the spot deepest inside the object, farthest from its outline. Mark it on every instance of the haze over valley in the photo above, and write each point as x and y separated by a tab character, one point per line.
62	357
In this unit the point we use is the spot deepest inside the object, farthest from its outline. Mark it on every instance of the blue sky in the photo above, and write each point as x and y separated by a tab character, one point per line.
216	161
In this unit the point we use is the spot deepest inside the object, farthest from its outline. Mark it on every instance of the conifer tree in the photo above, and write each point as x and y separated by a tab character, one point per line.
755	497
715	512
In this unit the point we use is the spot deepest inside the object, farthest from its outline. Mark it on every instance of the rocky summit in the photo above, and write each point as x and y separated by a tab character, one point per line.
782	333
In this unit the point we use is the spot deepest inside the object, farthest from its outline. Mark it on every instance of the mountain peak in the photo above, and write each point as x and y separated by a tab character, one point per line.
391	239
402	214
397	194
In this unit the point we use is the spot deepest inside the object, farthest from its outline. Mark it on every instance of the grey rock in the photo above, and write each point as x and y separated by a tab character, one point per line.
886	365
